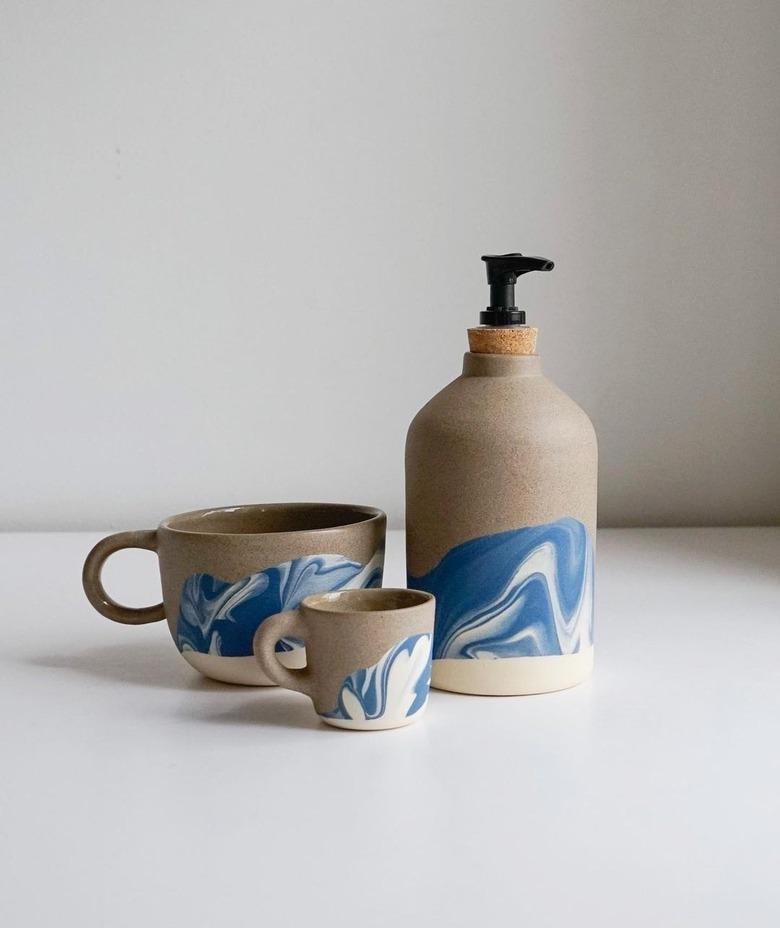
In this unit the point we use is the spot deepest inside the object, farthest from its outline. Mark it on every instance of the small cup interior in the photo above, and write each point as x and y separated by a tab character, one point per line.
370	600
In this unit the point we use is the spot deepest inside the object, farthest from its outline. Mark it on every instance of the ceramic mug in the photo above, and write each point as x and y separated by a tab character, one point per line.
368	655
225	571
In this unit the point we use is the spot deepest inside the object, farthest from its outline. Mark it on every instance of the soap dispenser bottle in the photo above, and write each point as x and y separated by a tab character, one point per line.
501	470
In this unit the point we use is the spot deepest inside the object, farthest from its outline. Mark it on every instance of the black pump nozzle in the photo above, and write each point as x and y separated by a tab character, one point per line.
502	274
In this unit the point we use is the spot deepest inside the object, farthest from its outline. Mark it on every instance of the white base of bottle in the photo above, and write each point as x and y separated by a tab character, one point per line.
512	676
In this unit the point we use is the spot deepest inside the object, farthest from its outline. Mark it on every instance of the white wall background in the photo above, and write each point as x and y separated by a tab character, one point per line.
240	244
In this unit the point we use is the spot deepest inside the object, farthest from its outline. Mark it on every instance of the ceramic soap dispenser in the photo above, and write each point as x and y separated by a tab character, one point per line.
501	511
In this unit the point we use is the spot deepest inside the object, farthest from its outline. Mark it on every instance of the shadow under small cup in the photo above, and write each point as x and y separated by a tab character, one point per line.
225	571
368	655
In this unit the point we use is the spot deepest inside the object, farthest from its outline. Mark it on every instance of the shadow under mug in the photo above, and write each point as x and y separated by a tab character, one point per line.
368	655
224	571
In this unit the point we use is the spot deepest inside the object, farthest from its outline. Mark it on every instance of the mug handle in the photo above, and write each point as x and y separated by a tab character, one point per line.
93	585
281	625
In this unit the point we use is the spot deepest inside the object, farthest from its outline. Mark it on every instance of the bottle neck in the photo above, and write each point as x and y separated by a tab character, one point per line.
503	339
501	365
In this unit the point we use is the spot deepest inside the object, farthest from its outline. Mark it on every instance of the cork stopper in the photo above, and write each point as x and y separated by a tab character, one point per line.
503	339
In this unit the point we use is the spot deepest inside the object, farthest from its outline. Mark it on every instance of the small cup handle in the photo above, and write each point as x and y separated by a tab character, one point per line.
282	625
93	585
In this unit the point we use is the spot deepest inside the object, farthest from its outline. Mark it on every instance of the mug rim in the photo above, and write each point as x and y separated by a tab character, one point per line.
364	515
315	601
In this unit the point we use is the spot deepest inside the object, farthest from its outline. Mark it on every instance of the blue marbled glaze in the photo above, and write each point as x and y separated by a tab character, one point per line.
521	593
392	689
219	617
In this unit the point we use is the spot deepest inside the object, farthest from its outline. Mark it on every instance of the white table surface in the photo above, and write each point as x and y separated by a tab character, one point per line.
136	793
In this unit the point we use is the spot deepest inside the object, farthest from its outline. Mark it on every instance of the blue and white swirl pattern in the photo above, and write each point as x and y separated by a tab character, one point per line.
393	689
219	617
521	593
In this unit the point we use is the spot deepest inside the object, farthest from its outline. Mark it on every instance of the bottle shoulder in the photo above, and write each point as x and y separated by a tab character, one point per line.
500	405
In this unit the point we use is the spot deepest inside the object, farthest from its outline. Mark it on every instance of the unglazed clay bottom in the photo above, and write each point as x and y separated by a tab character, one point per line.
379	724
513	676
241	670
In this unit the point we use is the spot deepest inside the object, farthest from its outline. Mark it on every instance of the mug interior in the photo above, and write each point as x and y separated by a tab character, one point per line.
368	600
271	518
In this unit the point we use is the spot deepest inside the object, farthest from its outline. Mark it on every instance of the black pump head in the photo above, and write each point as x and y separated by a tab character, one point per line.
502	274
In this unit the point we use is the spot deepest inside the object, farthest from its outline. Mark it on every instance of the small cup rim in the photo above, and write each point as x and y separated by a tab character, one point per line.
313	601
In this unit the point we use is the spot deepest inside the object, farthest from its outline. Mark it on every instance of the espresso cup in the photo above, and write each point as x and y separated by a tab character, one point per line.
368	655
225	571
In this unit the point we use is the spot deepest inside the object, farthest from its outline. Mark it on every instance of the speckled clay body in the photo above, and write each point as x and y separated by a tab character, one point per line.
224	571
501	521
368	655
